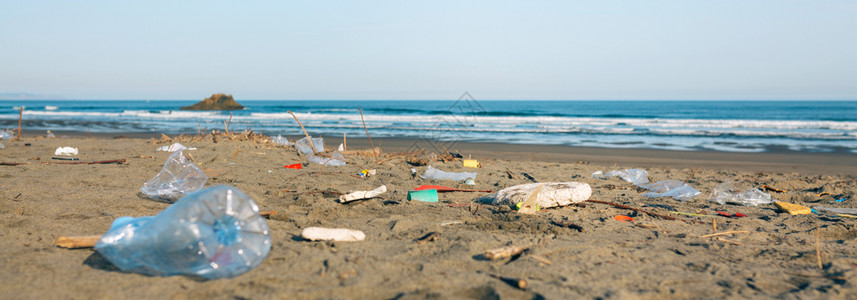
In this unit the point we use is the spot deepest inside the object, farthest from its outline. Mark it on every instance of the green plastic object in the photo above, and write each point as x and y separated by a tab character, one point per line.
424	195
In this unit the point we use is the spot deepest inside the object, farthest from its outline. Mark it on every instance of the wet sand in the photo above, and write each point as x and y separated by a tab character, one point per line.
773	255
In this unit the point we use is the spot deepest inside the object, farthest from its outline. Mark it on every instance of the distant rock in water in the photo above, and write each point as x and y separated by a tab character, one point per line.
216	102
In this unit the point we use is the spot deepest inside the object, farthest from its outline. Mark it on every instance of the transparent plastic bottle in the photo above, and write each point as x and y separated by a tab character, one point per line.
213	233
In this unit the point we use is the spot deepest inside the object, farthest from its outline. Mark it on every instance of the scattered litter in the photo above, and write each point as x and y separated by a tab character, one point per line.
66	151
50	135
444	189
341	148
424	195
432	173
5	134
469	181
793	209
280	140
367	173
665	188
623	218
336	159
174	147
359	195
332	234
294	166
178	177
551	195
212	233
723	193
471	163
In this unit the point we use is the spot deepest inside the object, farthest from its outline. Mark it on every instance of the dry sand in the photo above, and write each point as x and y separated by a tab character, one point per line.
650	257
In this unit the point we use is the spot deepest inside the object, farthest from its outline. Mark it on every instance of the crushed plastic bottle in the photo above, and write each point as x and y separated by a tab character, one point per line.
336	159
5	134
213	233
178	177
724	193
281	140
665	188
432	173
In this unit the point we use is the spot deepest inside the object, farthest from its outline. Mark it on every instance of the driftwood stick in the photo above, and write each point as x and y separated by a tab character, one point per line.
507	251
691	175
631	208
77	242
723	233
344	142
367	133
112	161
13	164
304	129
20	116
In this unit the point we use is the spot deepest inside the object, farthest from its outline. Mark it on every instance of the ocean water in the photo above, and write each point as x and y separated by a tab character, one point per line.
731	126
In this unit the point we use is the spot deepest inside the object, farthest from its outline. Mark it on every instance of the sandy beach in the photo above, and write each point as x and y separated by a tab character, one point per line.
770	254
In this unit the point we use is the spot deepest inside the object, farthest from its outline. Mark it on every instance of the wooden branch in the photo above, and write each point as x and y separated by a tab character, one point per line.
723	233
13	164
631	208
508	251
691	175
367	132
112	161
304	129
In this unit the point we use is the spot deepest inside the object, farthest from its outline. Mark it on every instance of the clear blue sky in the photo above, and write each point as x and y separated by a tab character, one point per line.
595	50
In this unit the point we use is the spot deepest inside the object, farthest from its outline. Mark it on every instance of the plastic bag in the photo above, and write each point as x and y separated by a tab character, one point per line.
432	173
671	188
723	193
665	188
213	233
636	176
303	145
336	159
551	194
178	177
281	140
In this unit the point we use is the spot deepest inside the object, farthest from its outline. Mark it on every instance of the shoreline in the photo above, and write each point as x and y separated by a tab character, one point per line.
777	160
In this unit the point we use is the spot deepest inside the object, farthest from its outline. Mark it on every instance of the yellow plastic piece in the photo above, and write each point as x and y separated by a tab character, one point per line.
793	209
472	163
518	206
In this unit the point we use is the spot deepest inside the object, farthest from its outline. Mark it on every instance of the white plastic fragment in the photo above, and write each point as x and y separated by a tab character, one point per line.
551	194
303	145
358	195
332	234
66	151
724	193
432	173
174	147
280	140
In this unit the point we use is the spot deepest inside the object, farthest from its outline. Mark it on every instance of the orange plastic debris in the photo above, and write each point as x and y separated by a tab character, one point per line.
294	166
623	218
